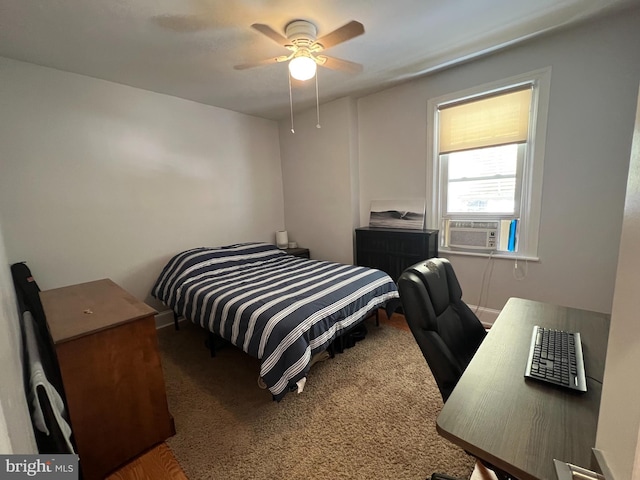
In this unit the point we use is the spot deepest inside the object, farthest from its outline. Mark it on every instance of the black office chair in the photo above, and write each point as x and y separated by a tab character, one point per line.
446	330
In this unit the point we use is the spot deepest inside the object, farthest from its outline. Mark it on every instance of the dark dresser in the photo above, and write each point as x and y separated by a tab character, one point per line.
393	250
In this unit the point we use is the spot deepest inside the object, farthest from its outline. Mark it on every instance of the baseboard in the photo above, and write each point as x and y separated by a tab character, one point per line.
486	315
165	319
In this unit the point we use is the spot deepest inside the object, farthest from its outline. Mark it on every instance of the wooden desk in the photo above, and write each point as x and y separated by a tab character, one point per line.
521	425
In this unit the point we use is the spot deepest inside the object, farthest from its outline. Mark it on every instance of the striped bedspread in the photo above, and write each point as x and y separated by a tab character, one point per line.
276	307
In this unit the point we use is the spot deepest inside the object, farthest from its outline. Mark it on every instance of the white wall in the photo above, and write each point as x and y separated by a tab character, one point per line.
619	421
319	186
16	433
595	70
103	180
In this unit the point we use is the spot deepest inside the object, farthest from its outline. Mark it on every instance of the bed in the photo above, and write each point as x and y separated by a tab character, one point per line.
276	307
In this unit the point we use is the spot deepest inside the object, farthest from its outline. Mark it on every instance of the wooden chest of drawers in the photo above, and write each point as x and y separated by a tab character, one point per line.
106	345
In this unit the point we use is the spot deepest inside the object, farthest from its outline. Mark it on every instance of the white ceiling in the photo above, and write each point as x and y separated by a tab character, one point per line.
187	48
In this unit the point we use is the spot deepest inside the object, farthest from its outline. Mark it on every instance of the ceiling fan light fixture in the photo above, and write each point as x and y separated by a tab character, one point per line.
302	67
304	45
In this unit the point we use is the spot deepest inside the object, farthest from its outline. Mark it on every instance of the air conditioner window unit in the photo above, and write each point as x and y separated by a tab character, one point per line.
473	234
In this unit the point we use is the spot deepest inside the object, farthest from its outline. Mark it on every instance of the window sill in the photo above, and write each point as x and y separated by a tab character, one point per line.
503	255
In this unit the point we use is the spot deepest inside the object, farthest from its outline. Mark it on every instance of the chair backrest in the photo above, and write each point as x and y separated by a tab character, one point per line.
446	330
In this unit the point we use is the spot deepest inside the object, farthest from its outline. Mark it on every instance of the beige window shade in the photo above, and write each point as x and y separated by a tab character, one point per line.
491	121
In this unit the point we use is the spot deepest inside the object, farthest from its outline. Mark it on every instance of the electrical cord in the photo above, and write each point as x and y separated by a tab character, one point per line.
516	270
484	285
521	273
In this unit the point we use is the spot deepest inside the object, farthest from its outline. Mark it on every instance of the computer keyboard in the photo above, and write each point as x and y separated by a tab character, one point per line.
555	356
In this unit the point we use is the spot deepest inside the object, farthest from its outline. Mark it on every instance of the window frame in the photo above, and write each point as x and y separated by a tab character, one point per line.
530	195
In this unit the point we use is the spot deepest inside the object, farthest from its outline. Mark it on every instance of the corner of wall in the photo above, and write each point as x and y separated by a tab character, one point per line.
16	430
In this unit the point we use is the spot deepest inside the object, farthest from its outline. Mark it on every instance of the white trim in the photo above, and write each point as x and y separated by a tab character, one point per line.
503	255
165	319
487	316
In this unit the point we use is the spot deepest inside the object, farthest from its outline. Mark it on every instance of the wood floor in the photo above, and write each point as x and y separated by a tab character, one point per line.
157	464
160	463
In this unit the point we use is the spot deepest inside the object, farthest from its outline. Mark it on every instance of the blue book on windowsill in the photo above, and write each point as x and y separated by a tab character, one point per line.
513	227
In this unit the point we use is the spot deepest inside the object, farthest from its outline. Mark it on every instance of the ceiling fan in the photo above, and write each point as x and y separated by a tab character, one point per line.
306	49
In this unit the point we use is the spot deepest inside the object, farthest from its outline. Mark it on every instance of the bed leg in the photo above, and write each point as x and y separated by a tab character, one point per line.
212	344
175	321
377	317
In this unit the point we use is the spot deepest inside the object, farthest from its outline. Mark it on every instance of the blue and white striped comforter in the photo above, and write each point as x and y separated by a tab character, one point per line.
276	307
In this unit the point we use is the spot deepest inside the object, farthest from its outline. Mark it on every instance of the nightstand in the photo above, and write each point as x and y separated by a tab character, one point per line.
298	252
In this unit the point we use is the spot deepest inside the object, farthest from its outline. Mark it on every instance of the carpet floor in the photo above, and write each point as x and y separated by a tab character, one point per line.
368	413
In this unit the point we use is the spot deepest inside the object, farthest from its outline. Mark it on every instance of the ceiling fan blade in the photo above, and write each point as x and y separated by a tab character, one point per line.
266	61
342	34
271	33
339	64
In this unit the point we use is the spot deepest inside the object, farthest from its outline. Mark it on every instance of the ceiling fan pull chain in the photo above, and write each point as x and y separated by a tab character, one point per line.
317	104
290	101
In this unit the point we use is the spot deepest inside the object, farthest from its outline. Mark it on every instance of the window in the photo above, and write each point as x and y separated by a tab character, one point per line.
486	166
483	180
